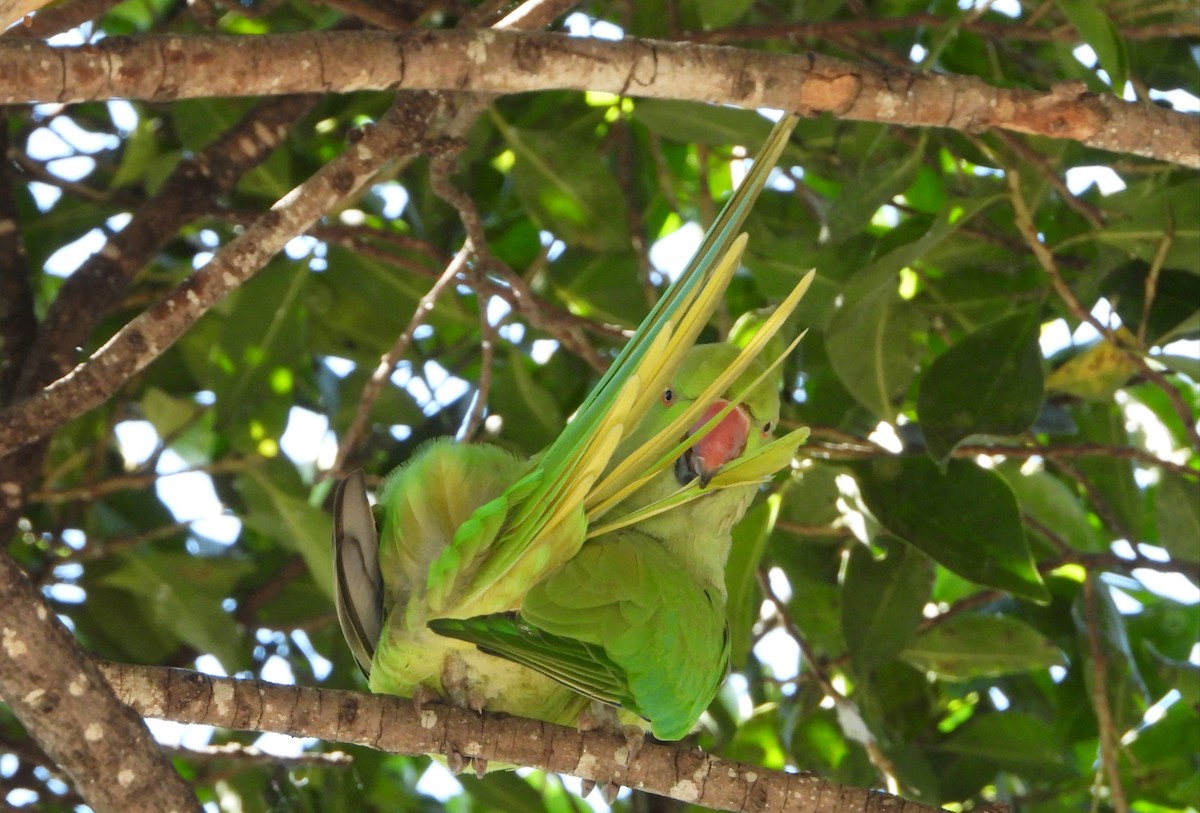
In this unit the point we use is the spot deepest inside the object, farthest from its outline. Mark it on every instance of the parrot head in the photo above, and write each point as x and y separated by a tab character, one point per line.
745	426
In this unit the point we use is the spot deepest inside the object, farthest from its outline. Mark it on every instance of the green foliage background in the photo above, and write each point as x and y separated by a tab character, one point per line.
1022	559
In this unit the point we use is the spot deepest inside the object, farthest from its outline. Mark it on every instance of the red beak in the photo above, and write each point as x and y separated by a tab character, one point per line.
725	442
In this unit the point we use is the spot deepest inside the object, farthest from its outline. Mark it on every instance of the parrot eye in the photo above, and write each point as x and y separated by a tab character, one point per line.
767	427
668	396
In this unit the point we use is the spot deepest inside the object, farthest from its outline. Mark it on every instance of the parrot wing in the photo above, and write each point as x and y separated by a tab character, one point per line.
606	623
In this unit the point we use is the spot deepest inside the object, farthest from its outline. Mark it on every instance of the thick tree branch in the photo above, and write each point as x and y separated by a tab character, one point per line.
490	61
393	724
65	703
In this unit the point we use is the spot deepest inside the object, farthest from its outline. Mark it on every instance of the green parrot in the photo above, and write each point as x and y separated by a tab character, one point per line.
636	618
475	545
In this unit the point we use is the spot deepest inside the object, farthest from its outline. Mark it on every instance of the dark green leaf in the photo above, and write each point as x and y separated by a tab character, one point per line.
885	599
873	347
1049	501
1177	516
701	123
990	383
1013	741
970	646
965	519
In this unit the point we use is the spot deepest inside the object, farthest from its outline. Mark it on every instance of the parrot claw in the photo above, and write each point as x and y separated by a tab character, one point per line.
586	786
609	791
455	761
635	738
481	766
421	696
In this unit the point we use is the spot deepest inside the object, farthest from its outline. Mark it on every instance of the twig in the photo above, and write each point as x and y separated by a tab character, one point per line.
487	344
830	444
58	18
799	529
879	759
1151	287
248	753
1045	257
1085	210
353	435
1104	719
137	481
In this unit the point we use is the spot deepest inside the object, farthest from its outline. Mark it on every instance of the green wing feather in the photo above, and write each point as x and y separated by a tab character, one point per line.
582	667
621	623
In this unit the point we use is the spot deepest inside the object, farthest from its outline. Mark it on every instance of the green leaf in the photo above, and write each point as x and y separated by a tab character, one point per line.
252	364
1111	477
990	383
965	519
954	215
532	418
1142	213
1177	516
741	576
504	791
289	519
887	597
695	123
873	349
168	415
1017	742
1188	365
183	594
1173	311
1052	503
860	198
1099	32
568	193
720	13
970	646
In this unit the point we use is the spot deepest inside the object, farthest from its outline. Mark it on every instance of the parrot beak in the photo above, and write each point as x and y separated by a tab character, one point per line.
724	443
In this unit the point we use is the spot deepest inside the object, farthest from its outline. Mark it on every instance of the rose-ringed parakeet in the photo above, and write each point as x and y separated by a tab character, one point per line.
471	531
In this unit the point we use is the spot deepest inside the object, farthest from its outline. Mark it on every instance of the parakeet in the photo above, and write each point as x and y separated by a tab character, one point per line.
636	619
655	467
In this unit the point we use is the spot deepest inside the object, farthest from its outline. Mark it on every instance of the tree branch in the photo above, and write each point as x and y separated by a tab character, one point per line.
395	725
489	61
149	334
64	702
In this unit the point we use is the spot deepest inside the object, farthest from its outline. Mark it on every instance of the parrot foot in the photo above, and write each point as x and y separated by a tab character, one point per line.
635	738
598	717
481	766
586	786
